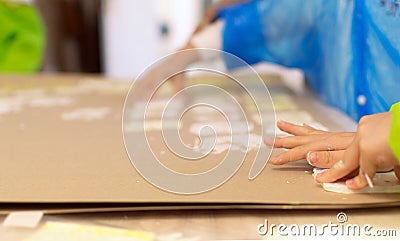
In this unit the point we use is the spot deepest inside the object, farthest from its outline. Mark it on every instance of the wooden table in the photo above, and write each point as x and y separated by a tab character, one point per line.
232	224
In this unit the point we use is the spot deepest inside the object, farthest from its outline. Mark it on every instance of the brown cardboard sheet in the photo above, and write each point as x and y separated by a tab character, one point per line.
52	154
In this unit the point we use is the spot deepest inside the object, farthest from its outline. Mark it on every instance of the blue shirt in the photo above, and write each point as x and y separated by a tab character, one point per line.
349	50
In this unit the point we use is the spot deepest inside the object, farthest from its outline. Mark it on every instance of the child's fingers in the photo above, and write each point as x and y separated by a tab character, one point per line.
292	155
294	141
358	182
365	175
324	159
306	144
300	152
343	167
328	141
297	130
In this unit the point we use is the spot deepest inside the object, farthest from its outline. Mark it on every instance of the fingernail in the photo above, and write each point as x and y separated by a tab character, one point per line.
281	122
276	160
308	158
269	141
350	182
321	174
312	158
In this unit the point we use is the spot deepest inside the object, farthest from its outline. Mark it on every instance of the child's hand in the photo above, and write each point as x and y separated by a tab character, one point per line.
369	152
321	148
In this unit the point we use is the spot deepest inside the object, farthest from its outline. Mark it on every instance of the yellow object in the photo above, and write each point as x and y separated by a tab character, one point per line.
75	232
394	138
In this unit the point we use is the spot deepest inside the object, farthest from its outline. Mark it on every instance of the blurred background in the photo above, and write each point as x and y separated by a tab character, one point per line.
116	37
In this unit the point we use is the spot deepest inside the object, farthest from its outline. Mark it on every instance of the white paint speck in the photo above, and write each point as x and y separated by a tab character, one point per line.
86	114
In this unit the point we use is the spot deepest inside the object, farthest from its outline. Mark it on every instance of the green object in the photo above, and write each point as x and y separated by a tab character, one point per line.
394	138
22	38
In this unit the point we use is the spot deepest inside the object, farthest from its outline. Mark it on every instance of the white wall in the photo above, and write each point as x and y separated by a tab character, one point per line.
129	36
131	32
182	16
